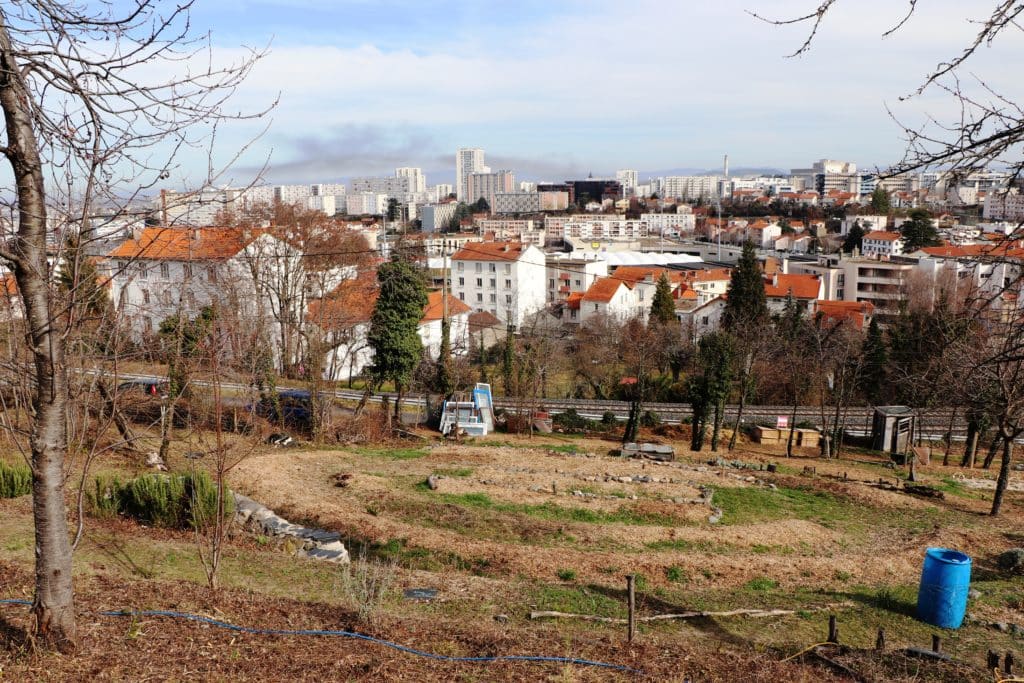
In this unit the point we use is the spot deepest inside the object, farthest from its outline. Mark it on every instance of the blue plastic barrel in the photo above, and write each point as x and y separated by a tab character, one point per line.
945	580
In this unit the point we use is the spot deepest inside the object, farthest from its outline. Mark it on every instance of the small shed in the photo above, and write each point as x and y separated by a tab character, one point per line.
891	428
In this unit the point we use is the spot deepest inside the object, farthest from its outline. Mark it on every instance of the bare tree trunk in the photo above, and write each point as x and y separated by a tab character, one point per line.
53	608
739	410
972	449
992	450
123	428
949	437
717	426
792	428
1004	474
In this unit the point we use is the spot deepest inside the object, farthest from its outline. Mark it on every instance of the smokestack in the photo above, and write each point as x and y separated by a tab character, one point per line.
726	166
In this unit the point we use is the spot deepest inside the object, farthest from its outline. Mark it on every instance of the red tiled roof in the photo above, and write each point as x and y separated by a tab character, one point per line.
435	307
883	236
186	244
604	289
481	320
976	250
855	312
803	286
635	274
490	251
574	299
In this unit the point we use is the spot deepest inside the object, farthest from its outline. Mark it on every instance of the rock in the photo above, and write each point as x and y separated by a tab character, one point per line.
154	460
716	516
501	618
432	482
973	594
1002	627
1012	560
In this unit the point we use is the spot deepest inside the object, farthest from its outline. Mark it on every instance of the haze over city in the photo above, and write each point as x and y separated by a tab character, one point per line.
558	90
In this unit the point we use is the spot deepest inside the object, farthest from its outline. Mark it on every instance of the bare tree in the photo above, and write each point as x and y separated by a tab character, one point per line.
81	130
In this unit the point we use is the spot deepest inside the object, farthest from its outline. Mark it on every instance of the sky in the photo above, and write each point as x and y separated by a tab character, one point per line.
562	88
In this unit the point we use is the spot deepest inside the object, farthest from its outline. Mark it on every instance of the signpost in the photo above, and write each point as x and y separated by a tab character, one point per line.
782	422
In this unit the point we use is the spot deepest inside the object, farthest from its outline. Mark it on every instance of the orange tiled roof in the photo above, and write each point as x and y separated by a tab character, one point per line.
635	274
574	300
803	286
435	307
490	251
883	236
186	244
856	312
604	289
353	300
975	251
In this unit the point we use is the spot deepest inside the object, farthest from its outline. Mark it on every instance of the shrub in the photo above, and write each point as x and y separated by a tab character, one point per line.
675	574
178	501
650	419
608	419
566	574
15	480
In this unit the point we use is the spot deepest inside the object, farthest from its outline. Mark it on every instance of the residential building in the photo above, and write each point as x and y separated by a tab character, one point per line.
832	277
325	204
392	186
830	174
881	243
628	179
417	182
486	185
195	209
705	318
568	275
1004	206
603	228
806	289
366	203
857	314
343	317
505	279
291	194
607	297
467	160
671	224
690	187
436	217
529	202
327	189
878	282
867	224
503	230
441	192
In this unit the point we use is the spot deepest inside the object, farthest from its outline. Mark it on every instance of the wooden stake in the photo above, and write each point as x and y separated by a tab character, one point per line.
936	643
880	640
631	597
833	630
1008	663
993	660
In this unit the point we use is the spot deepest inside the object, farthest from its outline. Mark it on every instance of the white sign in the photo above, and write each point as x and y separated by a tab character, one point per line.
782	422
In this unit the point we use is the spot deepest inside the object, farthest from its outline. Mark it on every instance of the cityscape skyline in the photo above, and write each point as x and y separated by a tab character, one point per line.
561	91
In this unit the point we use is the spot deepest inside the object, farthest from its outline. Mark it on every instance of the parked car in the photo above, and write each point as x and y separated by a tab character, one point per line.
292	407
147	387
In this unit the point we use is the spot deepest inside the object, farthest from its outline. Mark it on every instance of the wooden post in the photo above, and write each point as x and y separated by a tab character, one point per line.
631	597
833	630
912	476
880	640
936	643
1008	663
993	660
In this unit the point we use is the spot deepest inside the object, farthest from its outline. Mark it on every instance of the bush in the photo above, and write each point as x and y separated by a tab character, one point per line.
650	419
608	419
566	574
15	480
182	501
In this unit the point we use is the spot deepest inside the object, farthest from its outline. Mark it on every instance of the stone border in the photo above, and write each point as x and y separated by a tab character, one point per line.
313	543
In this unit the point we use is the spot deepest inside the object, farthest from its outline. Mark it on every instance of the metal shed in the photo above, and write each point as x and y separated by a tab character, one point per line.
892	428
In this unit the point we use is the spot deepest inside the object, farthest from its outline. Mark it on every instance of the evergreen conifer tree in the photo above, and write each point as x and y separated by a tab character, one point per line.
746	304
663	308
394	335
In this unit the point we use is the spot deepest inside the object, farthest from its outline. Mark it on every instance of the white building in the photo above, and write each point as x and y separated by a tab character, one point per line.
691	186
604	229
392	186
670	224
1004	206
568	275
486	185
195	209
366	204
440	192
467	160
530	202
505	279
325	204
417	181
436	217
292	194
327	189
882	243
867	223
628	178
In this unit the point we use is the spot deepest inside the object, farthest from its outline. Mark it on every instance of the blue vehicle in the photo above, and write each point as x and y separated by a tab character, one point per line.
292	407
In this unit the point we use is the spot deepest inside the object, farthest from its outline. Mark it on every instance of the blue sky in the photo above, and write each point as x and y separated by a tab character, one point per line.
562	88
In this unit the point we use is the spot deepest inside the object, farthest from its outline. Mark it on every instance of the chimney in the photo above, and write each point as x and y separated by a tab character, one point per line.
505	247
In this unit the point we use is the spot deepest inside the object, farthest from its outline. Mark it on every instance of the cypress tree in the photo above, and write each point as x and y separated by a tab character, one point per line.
746	304
394	334
663	308
876	363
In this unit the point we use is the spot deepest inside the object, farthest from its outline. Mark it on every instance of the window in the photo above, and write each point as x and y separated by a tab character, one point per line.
572	314
165	297
211	274
462	296
121	265
578	284
459	266
165	271
493	283
595	308
493	298
492	267
462	282
479	297
641	292
704	320
186	269
508	269
508	284
479	282
143	271
479	267
508	298
145	296
551	283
